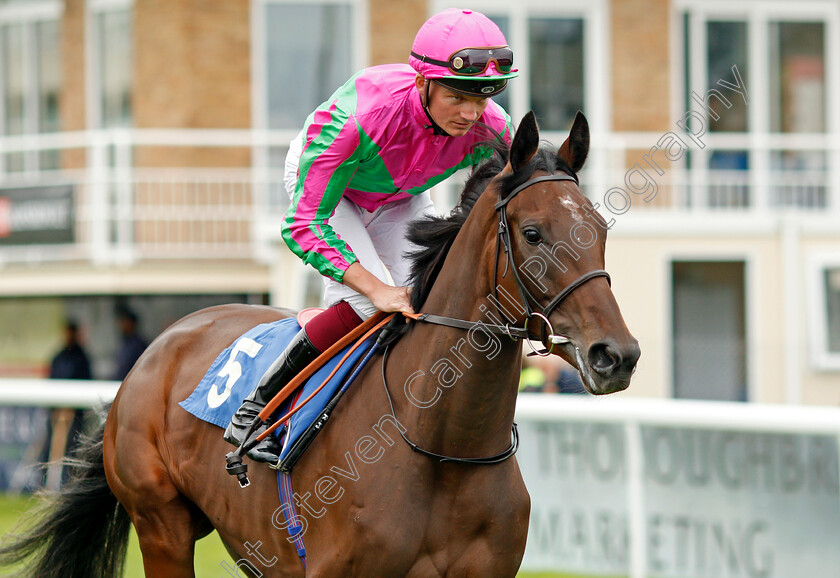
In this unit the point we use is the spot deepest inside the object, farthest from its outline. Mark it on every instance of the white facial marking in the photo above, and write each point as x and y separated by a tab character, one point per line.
572	206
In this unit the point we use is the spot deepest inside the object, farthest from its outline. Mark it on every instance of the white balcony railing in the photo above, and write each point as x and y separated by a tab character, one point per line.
144	194
191	194
774	172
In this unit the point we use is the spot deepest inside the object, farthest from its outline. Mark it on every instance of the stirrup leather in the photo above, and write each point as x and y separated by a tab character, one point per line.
297	355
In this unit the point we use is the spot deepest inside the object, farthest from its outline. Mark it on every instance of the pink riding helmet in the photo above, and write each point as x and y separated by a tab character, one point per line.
465	50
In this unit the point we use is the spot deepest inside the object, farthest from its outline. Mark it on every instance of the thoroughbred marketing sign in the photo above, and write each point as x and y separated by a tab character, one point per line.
713	502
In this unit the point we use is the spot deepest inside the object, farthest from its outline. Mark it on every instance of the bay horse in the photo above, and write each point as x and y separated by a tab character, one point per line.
523	243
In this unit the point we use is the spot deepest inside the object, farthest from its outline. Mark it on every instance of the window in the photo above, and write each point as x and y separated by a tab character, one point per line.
48	36
555	64
304	50
30	78
15	90
831	279
49	75
727	46
709	330
797	77
797	105
784	56
307	48
824	311
503	22
555	69
556	44
113	44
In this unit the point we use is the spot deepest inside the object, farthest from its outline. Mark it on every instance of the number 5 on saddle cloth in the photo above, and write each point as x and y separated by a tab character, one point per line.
236	371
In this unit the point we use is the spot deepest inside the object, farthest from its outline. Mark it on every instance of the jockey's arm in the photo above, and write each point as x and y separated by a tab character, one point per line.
383	296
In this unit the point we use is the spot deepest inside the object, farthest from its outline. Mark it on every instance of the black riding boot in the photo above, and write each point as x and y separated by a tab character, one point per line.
297	355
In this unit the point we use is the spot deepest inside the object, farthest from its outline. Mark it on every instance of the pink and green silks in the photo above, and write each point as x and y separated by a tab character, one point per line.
372	143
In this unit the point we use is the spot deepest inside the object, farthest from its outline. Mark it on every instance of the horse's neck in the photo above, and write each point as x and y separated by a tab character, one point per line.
472	375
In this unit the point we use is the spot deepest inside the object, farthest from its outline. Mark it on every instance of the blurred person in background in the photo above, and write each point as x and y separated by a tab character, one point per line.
71	362
567	379
531	377
132	346
550	374
65	424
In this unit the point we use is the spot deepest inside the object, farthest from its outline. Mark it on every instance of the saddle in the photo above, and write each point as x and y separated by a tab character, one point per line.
304	400
307	315
319	402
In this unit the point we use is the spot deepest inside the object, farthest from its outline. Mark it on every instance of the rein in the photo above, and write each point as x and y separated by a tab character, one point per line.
486	461
234	461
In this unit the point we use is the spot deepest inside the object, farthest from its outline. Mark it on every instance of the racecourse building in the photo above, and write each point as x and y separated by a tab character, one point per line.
142	145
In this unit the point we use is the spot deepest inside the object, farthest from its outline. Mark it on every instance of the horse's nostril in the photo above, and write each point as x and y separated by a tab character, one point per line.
603	358
606	358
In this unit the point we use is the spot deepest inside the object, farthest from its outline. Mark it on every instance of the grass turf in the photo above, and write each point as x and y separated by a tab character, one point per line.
209	552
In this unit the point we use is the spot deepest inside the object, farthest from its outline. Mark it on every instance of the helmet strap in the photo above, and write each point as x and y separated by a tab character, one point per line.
437	130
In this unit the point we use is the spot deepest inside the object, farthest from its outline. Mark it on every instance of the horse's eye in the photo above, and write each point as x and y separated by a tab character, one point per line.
532	236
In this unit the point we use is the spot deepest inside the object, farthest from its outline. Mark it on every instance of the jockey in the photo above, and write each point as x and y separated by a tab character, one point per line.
360	171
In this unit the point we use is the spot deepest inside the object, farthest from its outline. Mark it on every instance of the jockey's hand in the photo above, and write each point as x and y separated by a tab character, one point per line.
391	299
383	296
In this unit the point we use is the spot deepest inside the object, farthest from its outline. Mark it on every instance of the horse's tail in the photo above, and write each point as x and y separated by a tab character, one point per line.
81	531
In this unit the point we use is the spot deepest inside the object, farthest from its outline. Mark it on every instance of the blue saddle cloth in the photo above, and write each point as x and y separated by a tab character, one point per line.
238	369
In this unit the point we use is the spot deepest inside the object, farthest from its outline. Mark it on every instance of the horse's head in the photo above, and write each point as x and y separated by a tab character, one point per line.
552	258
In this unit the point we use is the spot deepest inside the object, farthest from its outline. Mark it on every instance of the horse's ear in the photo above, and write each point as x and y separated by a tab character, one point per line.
526	141
573	152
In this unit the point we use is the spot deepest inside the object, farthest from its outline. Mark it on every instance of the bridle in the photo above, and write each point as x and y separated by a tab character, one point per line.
529	302
528	299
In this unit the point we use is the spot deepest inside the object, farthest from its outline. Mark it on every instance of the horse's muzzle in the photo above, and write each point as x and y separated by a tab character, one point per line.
613	364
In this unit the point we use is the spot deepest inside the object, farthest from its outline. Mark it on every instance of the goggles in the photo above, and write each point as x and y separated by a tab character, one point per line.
473	61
